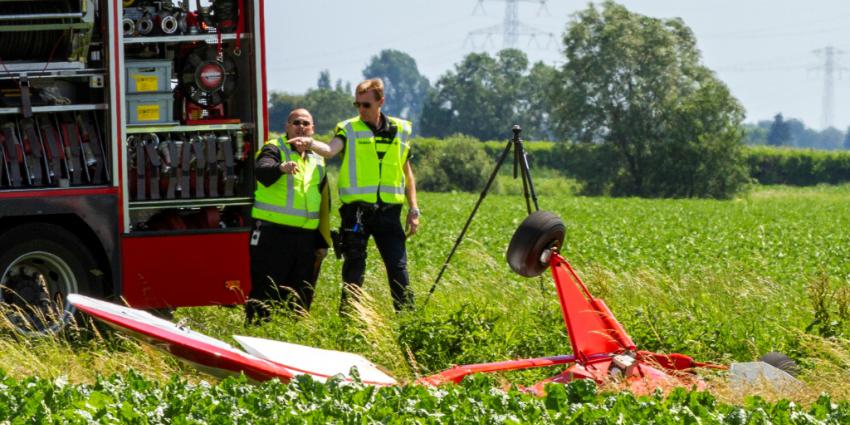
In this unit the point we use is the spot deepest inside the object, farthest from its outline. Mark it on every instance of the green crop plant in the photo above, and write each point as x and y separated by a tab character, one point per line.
722	281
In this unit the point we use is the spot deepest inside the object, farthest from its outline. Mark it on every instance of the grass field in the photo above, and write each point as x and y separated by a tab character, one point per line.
719	280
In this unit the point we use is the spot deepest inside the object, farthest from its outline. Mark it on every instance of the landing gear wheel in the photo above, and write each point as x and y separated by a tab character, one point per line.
540	231
41	264
781	362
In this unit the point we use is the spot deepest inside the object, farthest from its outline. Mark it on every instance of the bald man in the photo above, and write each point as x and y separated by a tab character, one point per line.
291	230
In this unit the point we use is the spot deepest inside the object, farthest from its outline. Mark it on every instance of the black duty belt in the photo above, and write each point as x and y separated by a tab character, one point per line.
378	206
285	228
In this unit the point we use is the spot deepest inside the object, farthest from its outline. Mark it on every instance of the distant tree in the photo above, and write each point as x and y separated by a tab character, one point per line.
404	87
280	105
779	133
345	88
830	138
537	121
484	96
801	136
847	139
329	105
324	82
635	84
756	134
793	132
464	101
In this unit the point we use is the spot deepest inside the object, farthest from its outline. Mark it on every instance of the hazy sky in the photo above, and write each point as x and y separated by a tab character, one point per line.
763	49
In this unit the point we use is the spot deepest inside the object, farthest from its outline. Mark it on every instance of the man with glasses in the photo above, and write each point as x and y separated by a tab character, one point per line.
375	178
291	230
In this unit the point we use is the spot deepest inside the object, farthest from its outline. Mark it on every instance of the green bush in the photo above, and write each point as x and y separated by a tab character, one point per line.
463	163
797	167
456	163
592	164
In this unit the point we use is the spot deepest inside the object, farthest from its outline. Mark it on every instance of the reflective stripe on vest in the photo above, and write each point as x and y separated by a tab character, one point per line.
390	183
286	210
270	206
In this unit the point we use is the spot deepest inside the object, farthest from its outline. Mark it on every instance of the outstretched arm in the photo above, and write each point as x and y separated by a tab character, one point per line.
327	150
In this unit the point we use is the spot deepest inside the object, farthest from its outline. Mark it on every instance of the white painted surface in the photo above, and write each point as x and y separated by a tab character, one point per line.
314	361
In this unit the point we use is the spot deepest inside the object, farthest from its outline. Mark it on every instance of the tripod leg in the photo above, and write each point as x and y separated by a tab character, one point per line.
469	220
522	172
526	175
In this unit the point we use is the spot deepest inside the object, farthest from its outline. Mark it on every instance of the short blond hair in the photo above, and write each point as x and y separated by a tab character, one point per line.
372	84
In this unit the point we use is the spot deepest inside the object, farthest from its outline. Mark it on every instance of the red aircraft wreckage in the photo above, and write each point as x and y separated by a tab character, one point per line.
602	350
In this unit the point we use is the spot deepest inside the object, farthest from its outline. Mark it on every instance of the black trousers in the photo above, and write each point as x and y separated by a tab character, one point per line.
384	224
283	268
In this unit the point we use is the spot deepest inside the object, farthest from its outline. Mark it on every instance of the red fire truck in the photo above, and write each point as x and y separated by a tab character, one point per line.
127	133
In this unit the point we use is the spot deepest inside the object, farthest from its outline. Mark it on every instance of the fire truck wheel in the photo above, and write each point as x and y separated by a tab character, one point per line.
540	231
40	265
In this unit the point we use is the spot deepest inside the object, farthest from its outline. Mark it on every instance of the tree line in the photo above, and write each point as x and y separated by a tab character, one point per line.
794	133
632	87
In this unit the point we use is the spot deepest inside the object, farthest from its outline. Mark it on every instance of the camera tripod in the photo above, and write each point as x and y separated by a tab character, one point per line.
520	169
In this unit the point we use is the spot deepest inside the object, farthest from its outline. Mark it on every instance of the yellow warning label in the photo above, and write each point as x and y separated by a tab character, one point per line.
146	82
147	113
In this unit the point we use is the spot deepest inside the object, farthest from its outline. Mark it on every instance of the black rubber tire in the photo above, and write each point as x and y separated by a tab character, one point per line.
541	230
781	362
66	250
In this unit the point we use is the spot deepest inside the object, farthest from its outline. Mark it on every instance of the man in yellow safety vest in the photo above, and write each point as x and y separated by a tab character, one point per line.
291	230
375	178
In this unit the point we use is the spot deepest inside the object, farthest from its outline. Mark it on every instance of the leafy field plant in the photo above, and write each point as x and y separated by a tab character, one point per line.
131	398
722	281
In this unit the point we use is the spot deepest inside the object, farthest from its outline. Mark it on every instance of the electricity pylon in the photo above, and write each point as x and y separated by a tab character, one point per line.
511	28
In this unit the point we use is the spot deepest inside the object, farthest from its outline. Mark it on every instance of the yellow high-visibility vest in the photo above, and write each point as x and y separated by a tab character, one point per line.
362	176
294	199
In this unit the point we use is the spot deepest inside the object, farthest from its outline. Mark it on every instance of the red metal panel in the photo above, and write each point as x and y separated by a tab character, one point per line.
201	351
185	270
457	373
56	192
590	329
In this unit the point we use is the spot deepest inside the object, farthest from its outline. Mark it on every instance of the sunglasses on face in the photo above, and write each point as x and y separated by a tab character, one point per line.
364	105
301	123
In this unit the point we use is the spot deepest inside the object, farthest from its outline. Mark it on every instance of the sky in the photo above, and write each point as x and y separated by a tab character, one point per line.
766	51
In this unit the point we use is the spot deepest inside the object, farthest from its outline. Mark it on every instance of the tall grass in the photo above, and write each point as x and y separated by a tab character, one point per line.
719	280
80	353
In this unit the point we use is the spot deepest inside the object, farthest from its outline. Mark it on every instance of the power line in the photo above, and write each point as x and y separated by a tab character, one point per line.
781	30
511	27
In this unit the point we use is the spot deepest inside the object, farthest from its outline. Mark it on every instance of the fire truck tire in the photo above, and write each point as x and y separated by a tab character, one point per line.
781	362
540	231
40	265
